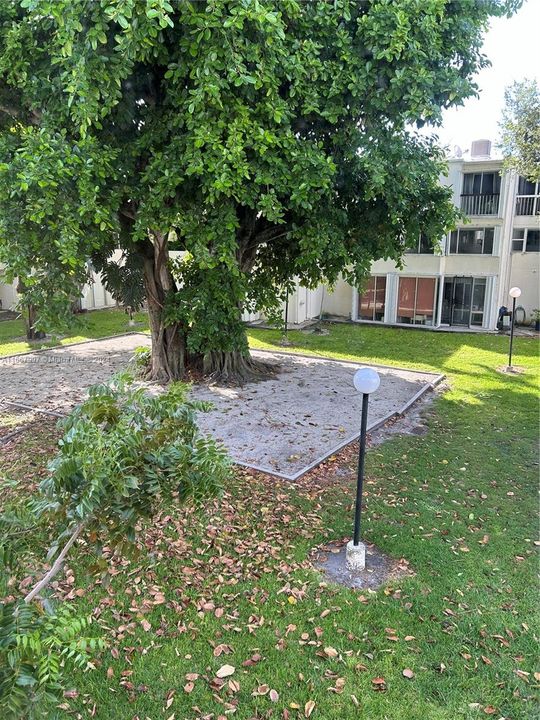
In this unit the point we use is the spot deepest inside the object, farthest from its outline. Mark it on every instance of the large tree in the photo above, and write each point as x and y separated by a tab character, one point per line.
520	129
266	139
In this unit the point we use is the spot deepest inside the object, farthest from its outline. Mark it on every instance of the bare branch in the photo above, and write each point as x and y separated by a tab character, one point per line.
56	567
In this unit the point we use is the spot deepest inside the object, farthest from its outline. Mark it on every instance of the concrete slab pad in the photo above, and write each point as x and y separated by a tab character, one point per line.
380	569
284	426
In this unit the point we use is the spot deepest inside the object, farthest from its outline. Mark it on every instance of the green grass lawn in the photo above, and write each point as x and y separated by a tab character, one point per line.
233	584
89	326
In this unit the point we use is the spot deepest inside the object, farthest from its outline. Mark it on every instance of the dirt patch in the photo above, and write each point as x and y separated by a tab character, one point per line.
380	569
514	370
306	413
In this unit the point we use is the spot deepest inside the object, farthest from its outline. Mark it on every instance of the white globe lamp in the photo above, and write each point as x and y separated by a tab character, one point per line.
366	380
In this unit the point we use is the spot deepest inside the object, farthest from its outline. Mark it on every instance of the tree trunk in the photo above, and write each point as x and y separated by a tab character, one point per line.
30	316
31	332
237	367
168	342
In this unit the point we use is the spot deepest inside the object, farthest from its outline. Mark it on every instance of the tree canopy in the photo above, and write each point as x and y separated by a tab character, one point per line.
520	129
264	139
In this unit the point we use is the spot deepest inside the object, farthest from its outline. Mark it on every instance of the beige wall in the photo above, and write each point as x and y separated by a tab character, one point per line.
8	296
92	297
339	302
412	265
525	274
471	265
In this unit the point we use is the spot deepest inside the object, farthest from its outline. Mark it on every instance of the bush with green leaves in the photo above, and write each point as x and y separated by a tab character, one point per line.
123	453
141	359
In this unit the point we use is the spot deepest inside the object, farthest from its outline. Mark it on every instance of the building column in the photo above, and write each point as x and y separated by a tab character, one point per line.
440	301
505	240
391	298
490	311
354	305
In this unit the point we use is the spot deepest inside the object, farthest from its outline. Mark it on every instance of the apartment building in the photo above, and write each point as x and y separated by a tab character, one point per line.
465	280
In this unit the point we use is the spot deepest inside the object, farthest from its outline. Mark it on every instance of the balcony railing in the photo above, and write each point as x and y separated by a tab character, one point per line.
480	204
528	205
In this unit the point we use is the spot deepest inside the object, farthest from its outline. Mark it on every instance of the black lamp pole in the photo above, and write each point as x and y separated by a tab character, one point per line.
286	328
511	333
361	460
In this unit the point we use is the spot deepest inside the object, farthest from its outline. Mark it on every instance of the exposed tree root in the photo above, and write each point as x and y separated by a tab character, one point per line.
159	375
235	368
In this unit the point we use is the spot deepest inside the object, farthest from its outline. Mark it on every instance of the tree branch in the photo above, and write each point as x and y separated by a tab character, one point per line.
56	567
33	117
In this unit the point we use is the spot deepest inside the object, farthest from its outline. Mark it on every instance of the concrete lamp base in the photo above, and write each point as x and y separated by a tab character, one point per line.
355	557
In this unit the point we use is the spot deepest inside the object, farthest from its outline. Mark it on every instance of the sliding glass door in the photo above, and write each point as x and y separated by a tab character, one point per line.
463	301
461	310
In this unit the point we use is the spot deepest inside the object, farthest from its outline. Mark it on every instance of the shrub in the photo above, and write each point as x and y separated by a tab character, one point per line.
122	454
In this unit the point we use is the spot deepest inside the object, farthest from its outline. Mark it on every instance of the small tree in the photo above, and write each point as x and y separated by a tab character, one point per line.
520	129
123	453
30	316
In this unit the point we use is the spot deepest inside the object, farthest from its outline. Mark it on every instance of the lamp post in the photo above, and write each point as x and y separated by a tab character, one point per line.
514	293
366	381
285	342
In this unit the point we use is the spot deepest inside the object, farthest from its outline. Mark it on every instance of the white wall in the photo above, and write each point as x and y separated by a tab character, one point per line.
8	296
93	296
339	301
525	274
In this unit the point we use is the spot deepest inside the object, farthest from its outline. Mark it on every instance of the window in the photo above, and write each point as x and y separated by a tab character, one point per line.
480	194
525	240
478	298
372	300
463	301
528	198
518	237
416	300
424	246
533	241
525	187
472	241
481	183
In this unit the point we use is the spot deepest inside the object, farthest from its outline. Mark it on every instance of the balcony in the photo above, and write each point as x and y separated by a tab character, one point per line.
528	205
475	204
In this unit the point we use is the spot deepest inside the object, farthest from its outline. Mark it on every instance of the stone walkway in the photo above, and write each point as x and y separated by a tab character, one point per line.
283	425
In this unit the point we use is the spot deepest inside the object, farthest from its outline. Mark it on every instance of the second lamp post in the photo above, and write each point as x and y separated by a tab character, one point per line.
366	381
514	293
